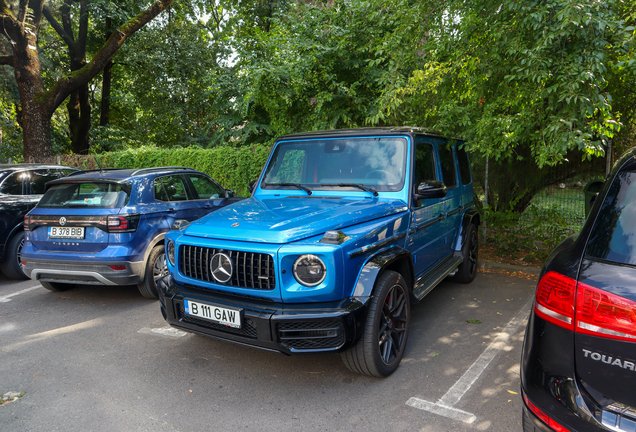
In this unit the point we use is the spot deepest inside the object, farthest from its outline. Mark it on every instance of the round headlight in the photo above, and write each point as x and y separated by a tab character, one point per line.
309	270
170	252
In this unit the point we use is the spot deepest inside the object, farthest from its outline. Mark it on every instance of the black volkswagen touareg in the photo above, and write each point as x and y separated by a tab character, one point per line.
578	368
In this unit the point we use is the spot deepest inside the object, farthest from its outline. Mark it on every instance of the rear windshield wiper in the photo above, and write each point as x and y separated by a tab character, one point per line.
298	185
359	186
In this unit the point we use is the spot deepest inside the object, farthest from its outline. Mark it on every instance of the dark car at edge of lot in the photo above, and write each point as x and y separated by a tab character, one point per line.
578	368
21	187
107	227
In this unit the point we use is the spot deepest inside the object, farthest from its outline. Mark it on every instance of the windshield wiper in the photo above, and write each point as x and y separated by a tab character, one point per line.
359	186
298	185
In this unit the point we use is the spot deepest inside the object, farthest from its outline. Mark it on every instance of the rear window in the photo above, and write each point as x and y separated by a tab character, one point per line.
91	195
613	237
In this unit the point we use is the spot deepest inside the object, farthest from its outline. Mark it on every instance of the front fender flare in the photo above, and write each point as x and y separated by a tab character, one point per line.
377	264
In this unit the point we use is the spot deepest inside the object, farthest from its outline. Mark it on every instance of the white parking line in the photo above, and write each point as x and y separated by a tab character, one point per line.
444	406
7	298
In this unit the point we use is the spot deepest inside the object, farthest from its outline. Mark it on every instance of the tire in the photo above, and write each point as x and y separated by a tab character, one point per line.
155	268
11	264
380	349
470	251
56	286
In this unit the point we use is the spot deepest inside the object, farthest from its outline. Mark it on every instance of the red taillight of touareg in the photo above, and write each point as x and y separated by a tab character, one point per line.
585	309
122	224
604	314
555	299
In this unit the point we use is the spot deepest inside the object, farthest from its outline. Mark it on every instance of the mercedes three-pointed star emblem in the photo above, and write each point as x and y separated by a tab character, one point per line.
221	267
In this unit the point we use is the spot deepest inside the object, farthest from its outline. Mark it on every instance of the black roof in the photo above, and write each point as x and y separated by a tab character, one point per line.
396	130
22	166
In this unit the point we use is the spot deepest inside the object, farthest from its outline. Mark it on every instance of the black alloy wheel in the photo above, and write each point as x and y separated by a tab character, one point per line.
11	265
380	349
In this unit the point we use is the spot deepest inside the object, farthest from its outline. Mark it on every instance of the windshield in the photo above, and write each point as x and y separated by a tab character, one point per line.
332	164
92	195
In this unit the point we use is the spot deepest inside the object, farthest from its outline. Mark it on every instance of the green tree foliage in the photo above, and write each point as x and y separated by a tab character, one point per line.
159	93
539	76
313	66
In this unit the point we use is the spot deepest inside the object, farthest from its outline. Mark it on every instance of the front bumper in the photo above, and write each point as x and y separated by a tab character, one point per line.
285	328
77	272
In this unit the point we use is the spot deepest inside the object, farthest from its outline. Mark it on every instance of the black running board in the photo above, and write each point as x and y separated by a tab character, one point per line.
432	278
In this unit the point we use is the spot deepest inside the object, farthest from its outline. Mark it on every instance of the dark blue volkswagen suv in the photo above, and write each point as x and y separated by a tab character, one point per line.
107	227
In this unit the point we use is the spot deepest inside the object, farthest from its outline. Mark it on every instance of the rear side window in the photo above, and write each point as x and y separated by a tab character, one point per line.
38	179
90	195
12	185
448	166
171	188
464	166
613	236
206	188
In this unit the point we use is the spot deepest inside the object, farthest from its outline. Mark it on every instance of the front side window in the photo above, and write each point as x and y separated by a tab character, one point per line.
89	194
613	236
323	164
206	188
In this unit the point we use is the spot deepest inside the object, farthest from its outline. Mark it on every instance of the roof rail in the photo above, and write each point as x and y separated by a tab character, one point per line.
91	170
145	170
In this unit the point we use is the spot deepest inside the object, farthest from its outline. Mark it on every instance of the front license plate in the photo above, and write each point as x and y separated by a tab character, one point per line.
66	232
228	317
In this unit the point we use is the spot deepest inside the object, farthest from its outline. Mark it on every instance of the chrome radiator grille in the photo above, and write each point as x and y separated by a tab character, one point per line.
250	269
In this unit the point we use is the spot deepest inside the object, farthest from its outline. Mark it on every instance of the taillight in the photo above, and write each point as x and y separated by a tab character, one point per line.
543	416
121	224
27	223
604	314
555	299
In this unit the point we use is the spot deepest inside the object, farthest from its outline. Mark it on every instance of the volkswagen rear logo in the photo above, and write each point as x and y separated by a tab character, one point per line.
221	267
62	220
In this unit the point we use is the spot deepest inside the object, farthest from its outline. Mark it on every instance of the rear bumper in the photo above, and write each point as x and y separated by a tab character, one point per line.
77	272
284	328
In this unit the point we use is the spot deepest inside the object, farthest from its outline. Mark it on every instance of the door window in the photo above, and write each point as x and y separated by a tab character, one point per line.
424	168
39	178
12	185
171	188
464	166
449	177
205	187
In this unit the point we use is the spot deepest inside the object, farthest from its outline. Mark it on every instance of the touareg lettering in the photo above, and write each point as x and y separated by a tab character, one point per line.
610	360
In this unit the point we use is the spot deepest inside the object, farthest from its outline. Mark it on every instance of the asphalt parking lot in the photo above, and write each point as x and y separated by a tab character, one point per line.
103	359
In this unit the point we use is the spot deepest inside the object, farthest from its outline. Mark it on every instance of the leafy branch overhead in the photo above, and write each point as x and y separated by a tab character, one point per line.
20	25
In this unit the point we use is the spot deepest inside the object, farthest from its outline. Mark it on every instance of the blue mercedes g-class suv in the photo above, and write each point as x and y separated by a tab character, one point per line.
343	231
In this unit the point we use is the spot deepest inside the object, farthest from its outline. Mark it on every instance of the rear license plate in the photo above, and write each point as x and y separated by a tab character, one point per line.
220	315
66	232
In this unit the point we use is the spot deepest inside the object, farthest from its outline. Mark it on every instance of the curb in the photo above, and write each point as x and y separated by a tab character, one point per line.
487	265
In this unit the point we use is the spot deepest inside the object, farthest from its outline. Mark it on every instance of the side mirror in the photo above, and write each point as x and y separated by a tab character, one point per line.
252	185
431	189
229	193
180	224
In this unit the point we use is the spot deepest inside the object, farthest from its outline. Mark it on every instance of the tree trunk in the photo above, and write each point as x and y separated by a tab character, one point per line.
79	114
36	126
107	78
105	104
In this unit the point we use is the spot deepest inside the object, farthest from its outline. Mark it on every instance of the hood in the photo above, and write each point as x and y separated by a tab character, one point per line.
285	220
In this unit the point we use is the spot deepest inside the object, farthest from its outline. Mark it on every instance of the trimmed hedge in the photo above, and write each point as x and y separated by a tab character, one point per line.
234	168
